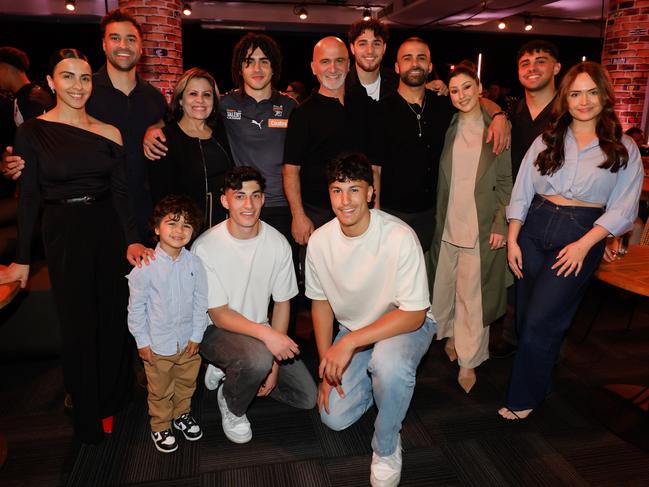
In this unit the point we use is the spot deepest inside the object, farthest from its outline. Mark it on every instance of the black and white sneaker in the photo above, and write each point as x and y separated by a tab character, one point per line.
164	441
188	426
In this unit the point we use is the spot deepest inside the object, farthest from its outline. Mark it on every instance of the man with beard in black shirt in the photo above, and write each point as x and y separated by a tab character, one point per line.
406	139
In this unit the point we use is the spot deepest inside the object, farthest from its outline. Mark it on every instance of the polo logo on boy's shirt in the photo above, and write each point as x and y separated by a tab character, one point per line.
278	123
232	114
278	110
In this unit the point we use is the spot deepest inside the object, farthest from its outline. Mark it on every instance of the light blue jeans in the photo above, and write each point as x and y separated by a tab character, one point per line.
384	374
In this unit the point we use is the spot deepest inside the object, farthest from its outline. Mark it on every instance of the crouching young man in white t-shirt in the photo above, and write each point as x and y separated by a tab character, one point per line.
366	269
247	262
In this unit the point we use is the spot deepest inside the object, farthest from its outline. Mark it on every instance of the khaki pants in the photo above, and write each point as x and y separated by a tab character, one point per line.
171	382
457	303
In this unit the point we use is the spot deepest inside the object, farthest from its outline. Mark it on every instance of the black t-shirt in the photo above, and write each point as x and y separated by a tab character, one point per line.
525	130
409	163
132	114
319	130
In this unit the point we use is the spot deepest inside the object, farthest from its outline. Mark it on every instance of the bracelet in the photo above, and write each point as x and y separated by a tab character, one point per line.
500	113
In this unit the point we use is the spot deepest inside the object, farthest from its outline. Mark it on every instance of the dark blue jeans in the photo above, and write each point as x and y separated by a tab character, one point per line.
546	303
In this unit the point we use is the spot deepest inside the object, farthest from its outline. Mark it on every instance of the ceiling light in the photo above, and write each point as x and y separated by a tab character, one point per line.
528	24
187	9
301	12
367	14
502	25
70	5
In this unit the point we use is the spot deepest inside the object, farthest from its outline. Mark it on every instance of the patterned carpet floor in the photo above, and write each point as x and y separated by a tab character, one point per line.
592	430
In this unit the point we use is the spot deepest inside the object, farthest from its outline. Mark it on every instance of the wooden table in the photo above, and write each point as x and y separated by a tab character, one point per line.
8	291
630	272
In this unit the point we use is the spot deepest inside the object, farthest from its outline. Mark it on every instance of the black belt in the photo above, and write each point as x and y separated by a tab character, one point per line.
80	200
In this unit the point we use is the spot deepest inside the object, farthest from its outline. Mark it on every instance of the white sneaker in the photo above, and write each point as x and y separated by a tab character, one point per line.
386	471
236	428
213	377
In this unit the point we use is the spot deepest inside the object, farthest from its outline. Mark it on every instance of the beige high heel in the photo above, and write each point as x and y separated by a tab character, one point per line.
466	378
449	348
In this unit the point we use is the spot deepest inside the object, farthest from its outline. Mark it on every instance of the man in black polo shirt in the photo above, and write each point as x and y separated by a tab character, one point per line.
327	124
29	101
256	120
123	99
537	67
407	138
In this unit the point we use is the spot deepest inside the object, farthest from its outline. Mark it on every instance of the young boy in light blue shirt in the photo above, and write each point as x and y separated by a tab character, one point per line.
167	316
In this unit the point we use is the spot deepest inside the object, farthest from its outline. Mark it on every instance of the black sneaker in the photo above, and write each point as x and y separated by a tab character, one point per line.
188	426
164	441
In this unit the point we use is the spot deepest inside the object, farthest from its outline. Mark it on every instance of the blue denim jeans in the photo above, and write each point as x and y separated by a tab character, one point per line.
384	374
545	303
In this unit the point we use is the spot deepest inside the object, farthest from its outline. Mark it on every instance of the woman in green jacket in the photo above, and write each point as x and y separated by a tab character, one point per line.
468	262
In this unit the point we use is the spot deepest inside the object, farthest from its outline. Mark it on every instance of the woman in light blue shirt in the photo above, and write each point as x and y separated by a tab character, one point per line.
579	182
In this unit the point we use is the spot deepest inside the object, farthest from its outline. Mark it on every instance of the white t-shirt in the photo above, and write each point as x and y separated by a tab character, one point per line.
374	89
244	274
367	276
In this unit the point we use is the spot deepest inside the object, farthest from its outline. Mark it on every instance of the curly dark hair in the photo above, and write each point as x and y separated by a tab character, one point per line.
177	205
608	128
538	45
174	107
61	54
357	28
119	15
236	176
14	57
249	43
350	167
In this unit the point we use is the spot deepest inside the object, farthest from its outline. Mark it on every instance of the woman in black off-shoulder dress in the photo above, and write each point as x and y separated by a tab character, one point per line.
74	167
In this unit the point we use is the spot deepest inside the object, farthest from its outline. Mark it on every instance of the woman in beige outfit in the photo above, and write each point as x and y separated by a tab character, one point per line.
468	270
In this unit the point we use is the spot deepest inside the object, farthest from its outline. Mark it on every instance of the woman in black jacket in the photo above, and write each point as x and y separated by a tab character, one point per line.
198	154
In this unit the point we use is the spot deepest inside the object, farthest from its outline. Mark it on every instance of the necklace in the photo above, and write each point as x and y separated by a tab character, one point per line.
418	115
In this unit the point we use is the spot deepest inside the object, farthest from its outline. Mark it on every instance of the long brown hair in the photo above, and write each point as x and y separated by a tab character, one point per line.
608	127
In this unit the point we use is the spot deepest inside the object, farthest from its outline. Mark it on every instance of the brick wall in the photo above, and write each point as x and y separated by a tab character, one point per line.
626	56
162	55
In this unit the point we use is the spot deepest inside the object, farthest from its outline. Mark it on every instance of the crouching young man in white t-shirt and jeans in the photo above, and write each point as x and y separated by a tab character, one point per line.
247	262
366	269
